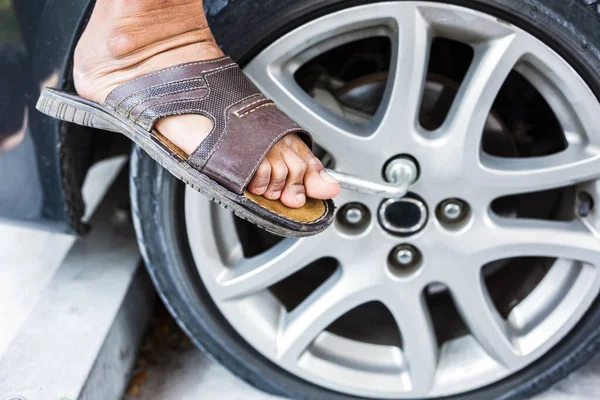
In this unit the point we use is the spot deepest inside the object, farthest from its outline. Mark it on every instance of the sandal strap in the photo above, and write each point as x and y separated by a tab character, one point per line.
246	124
253	129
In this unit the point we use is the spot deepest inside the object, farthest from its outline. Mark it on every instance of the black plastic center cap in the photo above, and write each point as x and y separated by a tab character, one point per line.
404	216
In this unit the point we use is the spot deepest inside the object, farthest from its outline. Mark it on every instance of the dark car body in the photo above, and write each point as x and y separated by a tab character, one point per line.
43	162
39	184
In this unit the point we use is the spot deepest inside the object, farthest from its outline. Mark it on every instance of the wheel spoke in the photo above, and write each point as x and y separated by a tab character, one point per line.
338	295
400	106
481	317
250	275
419	343
503	176
575	107
573	103
544	299
463	128
510	238
524	237
555	304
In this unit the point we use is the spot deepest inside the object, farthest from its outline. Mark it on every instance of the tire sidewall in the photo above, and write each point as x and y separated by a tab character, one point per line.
568	26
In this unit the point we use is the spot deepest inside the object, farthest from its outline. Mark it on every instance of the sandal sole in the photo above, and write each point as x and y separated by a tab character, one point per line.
70	108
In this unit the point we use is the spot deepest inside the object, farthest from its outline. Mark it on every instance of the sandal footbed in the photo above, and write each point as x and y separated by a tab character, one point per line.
312	210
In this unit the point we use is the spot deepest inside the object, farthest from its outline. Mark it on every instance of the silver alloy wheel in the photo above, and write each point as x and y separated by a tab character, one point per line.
452	166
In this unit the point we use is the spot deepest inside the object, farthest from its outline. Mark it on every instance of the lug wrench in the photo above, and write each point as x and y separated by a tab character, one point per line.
401	173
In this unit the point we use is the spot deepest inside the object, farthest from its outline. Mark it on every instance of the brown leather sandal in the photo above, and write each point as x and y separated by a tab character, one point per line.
245	126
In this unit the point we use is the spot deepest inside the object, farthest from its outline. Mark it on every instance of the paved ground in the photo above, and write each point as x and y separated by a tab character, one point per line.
169	366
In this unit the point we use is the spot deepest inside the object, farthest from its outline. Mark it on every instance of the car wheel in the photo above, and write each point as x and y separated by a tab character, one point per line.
483	282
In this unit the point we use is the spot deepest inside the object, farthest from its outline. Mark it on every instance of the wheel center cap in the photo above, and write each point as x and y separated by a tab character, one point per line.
404	216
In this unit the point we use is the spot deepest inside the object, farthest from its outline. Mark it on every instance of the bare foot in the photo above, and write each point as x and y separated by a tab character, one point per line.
125	40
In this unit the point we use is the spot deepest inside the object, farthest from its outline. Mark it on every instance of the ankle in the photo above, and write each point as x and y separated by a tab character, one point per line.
96	72
130	47
139	24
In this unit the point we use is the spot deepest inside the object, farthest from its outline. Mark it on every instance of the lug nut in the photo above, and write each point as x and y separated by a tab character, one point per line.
404	259
353	215
405	256
353	218
401	169
585	203
452	211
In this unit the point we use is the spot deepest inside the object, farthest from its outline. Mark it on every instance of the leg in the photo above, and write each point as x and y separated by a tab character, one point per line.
128	38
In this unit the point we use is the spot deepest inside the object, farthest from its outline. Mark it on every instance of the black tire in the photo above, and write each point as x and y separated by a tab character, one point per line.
570	27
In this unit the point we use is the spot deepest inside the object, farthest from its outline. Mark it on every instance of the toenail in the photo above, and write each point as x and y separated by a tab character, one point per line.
327	178
300	198
274	195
